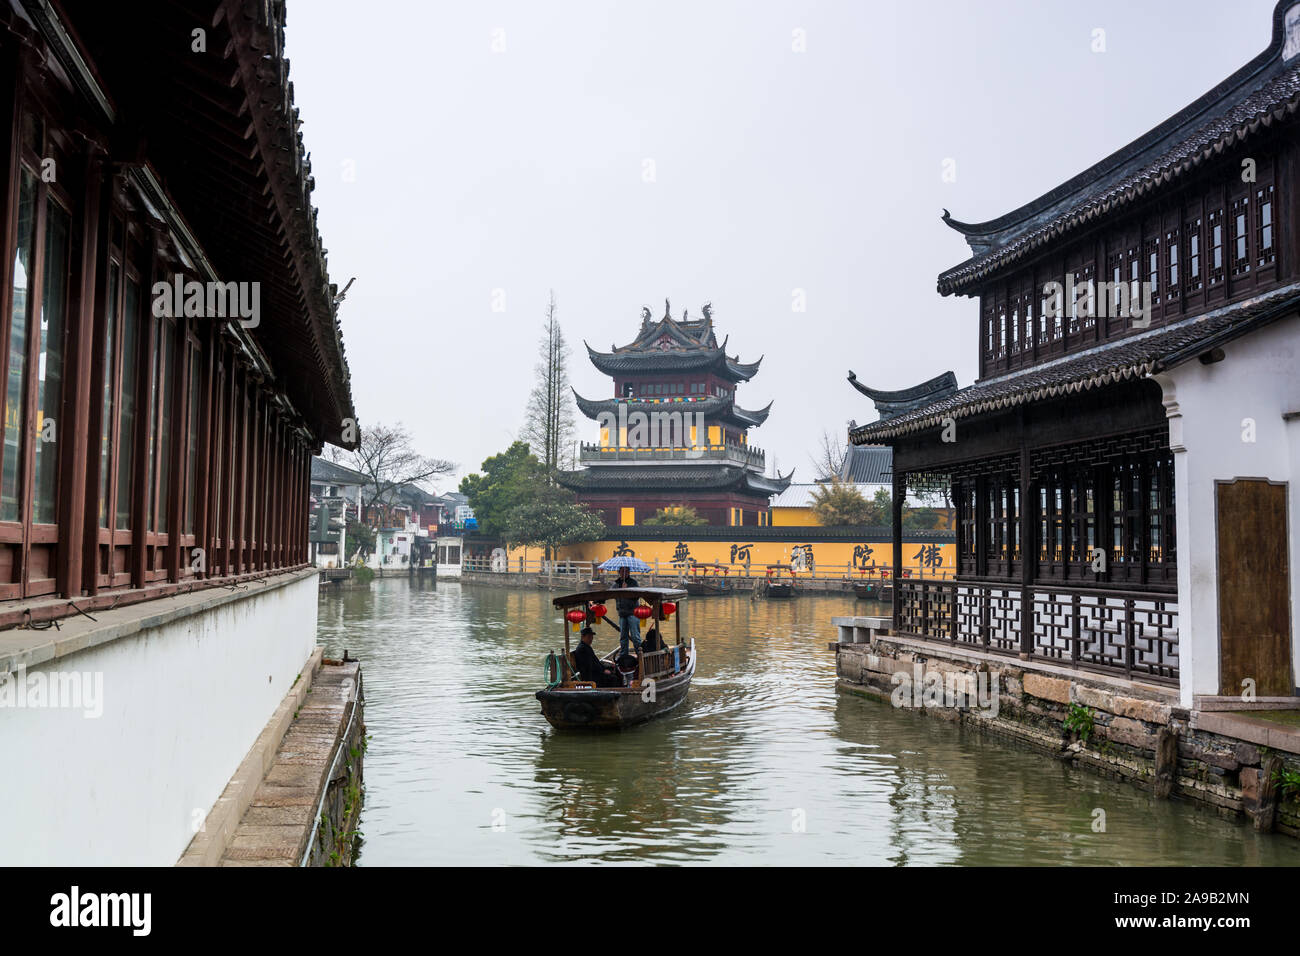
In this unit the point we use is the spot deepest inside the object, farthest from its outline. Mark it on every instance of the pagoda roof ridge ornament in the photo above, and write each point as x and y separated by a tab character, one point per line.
669	345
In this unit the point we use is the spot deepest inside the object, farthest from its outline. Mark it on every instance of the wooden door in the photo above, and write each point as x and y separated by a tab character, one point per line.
1254	588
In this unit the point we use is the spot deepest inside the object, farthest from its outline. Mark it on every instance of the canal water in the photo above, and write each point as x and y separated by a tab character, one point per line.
765	764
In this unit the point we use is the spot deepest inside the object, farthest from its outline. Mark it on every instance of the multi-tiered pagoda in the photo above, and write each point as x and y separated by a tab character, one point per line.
673	434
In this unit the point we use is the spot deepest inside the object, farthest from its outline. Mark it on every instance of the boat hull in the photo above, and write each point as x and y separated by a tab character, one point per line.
780	590
614	708
706	590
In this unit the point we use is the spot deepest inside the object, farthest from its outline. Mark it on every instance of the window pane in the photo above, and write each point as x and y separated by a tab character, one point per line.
49	364
15	378
126	407
106	417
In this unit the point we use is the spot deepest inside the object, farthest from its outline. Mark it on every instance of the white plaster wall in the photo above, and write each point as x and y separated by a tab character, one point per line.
1207	405
182	705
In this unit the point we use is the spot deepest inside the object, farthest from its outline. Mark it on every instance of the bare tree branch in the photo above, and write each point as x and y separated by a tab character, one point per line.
830	457
549	418
388	458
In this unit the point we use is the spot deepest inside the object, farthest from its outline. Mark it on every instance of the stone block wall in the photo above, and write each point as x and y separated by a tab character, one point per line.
1128	730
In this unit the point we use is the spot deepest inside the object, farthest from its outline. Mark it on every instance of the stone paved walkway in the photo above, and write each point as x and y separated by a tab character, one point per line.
275	829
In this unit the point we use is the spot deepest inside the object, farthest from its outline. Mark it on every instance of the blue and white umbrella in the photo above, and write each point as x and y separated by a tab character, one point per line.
625	561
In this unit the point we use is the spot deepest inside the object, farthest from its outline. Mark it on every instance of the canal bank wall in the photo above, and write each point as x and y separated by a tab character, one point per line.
1118	728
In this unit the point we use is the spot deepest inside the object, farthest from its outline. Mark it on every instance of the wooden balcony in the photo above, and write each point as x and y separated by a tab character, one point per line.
747	456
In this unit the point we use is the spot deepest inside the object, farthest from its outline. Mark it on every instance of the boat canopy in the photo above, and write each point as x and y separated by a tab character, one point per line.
650	595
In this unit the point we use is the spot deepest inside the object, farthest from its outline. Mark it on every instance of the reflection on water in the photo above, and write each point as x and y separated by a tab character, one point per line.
764	763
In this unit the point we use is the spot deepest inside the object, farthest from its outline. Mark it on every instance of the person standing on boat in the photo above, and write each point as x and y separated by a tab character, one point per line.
629	628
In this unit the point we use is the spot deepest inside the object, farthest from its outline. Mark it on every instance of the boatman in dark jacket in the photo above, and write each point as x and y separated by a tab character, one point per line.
590	667
629	628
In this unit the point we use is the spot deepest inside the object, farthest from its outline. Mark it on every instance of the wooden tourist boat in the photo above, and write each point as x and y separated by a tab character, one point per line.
708	579
872	589
777	586
658	685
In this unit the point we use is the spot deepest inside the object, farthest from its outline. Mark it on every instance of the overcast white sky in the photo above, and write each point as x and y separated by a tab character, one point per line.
523	170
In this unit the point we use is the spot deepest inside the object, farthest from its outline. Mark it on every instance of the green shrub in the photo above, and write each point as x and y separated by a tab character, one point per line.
1079	721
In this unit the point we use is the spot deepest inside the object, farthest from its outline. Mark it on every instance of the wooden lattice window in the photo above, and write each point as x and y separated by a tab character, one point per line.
1051	510
1126	513
1015	324
1215	222
1050	313
1083	516
1172	247
1151	266
1238	218
997	520
1192	247
1011	497
1115	275
1160	511
1264	225
966	505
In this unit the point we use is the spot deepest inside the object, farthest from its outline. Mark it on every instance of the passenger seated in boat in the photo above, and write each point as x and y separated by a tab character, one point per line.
653	641
626	668
590	667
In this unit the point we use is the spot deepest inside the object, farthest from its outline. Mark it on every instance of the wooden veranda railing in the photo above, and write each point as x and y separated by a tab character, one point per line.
1134	633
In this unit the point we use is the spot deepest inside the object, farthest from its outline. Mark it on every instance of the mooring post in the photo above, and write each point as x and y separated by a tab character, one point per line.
1166	761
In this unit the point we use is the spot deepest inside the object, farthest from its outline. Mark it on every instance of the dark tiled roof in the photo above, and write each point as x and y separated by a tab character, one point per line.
889	404
673	360
868	465
327	471
1135	357
225	137
1258	95
711	406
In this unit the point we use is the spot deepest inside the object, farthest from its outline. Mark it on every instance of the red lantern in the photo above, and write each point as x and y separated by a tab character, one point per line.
575	616
668	607
642	612
599	610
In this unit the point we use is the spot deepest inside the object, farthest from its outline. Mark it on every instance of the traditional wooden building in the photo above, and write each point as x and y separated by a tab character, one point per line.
672	434
1124	465
173	360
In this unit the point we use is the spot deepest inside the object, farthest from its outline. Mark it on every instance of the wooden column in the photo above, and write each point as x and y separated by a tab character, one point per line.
226	485
276	510
202	469
900	498
140	497
249	559
179	383
1027	565
79	397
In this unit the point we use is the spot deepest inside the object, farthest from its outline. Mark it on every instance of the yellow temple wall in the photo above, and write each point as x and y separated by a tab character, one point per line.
794	518
828	557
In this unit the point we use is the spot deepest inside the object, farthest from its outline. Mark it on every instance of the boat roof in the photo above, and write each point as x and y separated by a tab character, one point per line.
605	594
